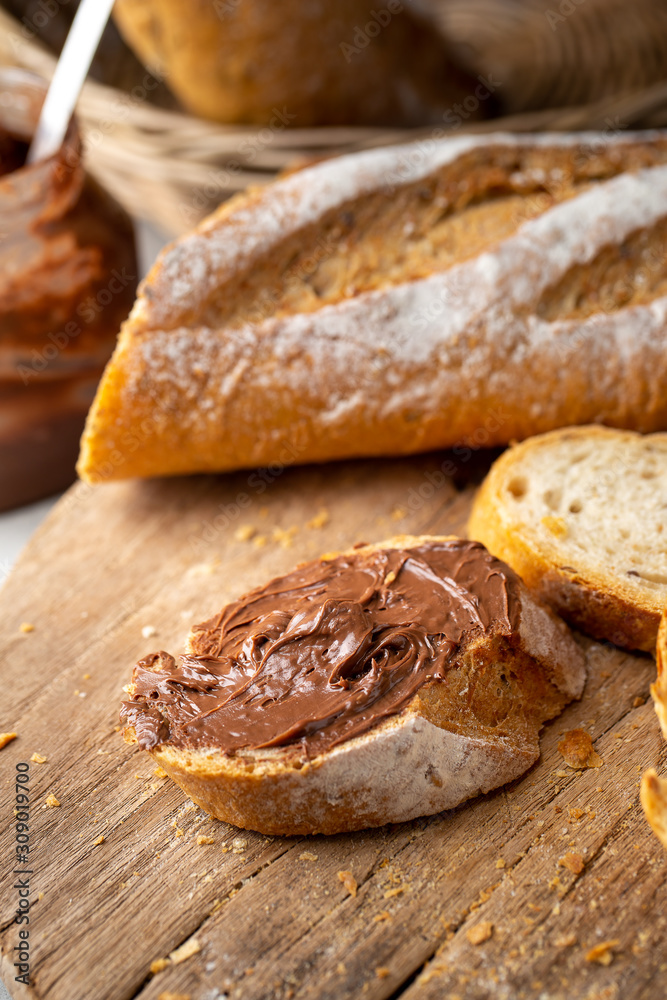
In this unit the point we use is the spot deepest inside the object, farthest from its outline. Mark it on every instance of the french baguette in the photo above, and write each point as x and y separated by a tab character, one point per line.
396	301
471	730
581	515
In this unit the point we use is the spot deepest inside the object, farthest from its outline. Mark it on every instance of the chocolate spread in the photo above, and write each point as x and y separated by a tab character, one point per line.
324	653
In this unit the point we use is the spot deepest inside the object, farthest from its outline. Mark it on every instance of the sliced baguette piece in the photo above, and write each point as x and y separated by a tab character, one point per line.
476	289
659	688
653	796
581	515
455	739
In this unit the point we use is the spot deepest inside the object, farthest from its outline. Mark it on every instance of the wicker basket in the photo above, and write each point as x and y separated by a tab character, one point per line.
172	169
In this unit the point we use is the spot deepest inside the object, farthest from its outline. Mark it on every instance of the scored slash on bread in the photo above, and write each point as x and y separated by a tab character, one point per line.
395	301
581	515
472	731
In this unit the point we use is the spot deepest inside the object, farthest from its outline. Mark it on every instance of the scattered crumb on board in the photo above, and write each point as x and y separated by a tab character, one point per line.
6	738
480	933
320	520
602	953
578	751
573	862
51	801
349	881
185	951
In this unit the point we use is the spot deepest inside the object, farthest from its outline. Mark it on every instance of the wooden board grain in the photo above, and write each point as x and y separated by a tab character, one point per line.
269	917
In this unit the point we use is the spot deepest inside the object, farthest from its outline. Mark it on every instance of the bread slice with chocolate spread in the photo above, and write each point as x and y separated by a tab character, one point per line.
383	683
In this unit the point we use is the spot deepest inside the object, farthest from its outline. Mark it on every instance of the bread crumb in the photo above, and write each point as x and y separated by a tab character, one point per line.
500	863
52	801
480	933
160	772
179	832
565	940
575	813
259	541
383	915
394	892
555	525
382	972
86	677
26	627
602	953
578	751
638	702
99	840
148	631
239	845
398	513
307	856
285	536
187	950
320	519
37	758
6	738
244	532
349	881
158	965
202	839
573	862
173	996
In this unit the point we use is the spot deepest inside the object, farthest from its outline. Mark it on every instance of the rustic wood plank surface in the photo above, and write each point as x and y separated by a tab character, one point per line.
269	917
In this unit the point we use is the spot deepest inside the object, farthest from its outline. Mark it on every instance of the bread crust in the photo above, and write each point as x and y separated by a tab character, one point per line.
592	600
418	762
659	688
233	359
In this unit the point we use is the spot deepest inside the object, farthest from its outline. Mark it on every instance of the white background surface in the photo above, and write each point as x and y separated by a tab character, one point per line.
16	526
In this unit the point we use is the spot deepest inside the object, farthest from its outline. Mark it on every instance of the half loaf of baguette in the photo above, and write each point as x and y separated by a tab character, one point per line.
473	730
581	515
482	288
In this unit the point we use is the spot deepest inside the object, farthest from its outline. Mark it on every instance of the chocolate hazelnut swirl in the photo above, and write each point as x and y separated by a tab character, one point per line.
324	653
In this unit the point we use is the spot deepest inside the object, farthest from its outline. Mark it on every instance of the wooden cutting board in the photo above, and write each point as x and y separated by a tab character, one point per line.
269	917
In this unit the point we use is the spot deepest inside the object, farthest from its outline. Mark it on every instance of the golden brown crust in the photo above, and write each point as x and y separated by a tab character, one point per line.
659	689
653	795
452	742
592	599
301	324
313	64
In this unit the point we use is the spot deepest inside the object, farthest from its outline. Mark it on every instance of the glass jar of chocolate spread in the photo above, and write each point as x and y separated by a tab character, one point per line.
68	276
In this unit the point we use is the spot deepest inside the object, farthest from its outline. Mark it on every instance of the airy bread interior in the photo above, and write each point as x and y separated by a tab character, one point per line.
590	503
